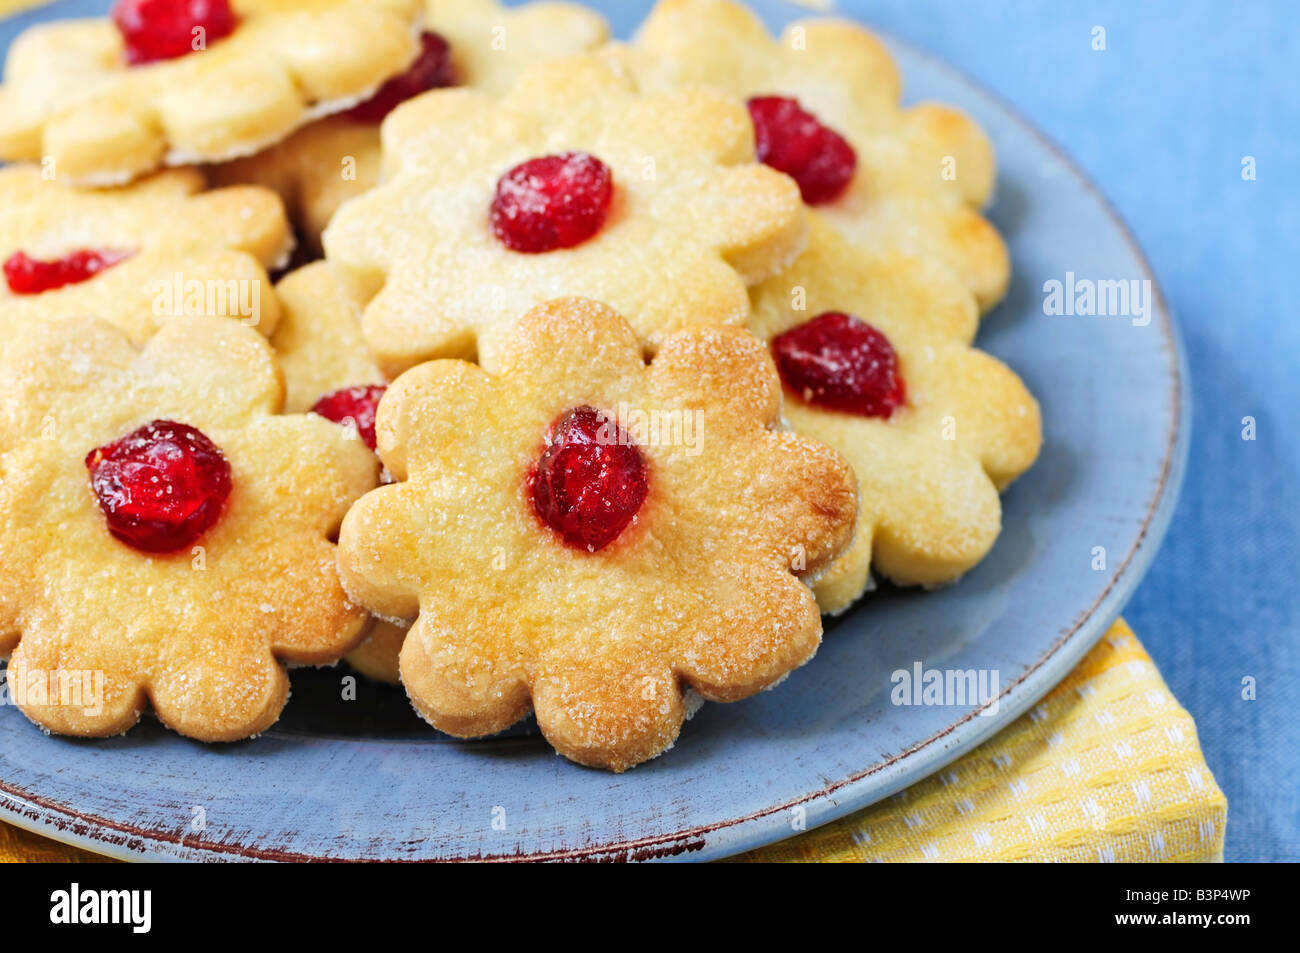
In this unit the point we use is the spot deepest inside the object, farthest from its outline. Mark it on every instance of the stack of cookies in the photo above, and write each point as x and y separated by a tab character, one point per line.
623	362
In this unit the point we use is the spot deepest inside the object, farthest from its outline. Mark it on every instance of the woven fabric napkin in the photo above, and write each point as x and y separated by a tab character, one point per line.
1106	768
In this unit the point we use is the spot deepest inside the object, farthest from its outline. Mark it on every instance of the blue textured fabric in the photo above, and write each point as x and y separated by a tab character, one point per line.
1162	120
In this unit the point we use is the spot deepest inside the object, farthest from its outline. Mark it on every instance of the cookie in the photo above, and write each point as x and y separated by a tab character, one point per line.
318	340
321	352
889	178
874	351
377	657
573	183
117	594
166	82
137	256
585	535
482	44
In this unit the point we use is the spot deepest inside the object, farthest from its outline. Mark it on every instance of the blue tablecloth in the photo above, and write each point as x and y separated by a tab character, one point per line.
1162	120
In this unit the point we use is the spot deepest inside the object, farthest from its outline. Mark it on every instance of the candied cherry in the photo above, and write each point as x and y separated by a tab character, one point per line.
155	30
161	486
355	407
590	480
552	202
840	362
432	69
30	276
794	141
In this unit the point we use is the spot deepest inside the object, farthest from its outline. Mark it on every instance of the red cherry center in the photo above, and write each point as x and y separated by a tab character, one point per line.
552	202
161	487
792	140
155	30
590	480
432	69
30	276
837	361
354	407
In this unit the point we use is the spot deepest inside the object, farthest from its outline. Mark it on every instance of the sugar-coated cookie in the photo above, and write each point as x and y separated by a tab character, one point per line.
140	255
107	100
573	183
874	351
322	354
165	533
377	657
480	43
586	536
318	339
910	180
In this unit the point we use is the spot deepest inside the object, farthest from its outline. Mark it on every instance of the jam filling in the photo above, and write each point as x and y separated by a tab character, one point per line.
154	30
161	487
354	407
590	481
552	202
432	69
842	363
29	276
794	141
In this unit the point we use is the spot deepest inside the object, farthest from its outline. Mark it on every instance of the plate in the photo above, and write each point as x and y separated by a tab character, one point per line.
363	779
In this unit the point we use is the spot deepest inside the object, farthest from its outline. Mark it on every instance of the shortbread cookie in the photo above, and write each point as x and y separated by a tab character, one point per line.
477	43
588	536
172	82
318	340
327	369
874	351
825	98
377	657
139	255
572	183
164	531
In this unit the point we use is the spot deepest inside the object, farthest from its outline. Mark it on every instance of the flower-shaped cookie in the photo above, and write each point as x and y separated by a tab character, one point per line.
320	167
573	183
932	427
378	656
920	172
318	339
157	249
81	94
322	352
165	533
590	535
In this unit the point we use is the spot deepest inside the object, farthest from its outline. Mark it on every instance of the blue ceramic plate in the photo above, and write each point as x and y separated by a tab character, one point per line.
363	779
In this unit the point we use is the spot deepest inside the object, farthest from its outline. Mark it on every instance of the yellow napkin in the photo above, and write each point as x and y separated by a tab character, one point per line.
1105	768
10	7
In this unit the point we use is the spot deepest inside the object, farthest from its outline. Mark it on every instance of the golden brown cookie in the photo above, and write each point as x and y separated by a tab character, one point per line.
321	352
593	575
377	656
165	533
320	167
572	183
318	339
921	172
164	250
932	437
73	97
